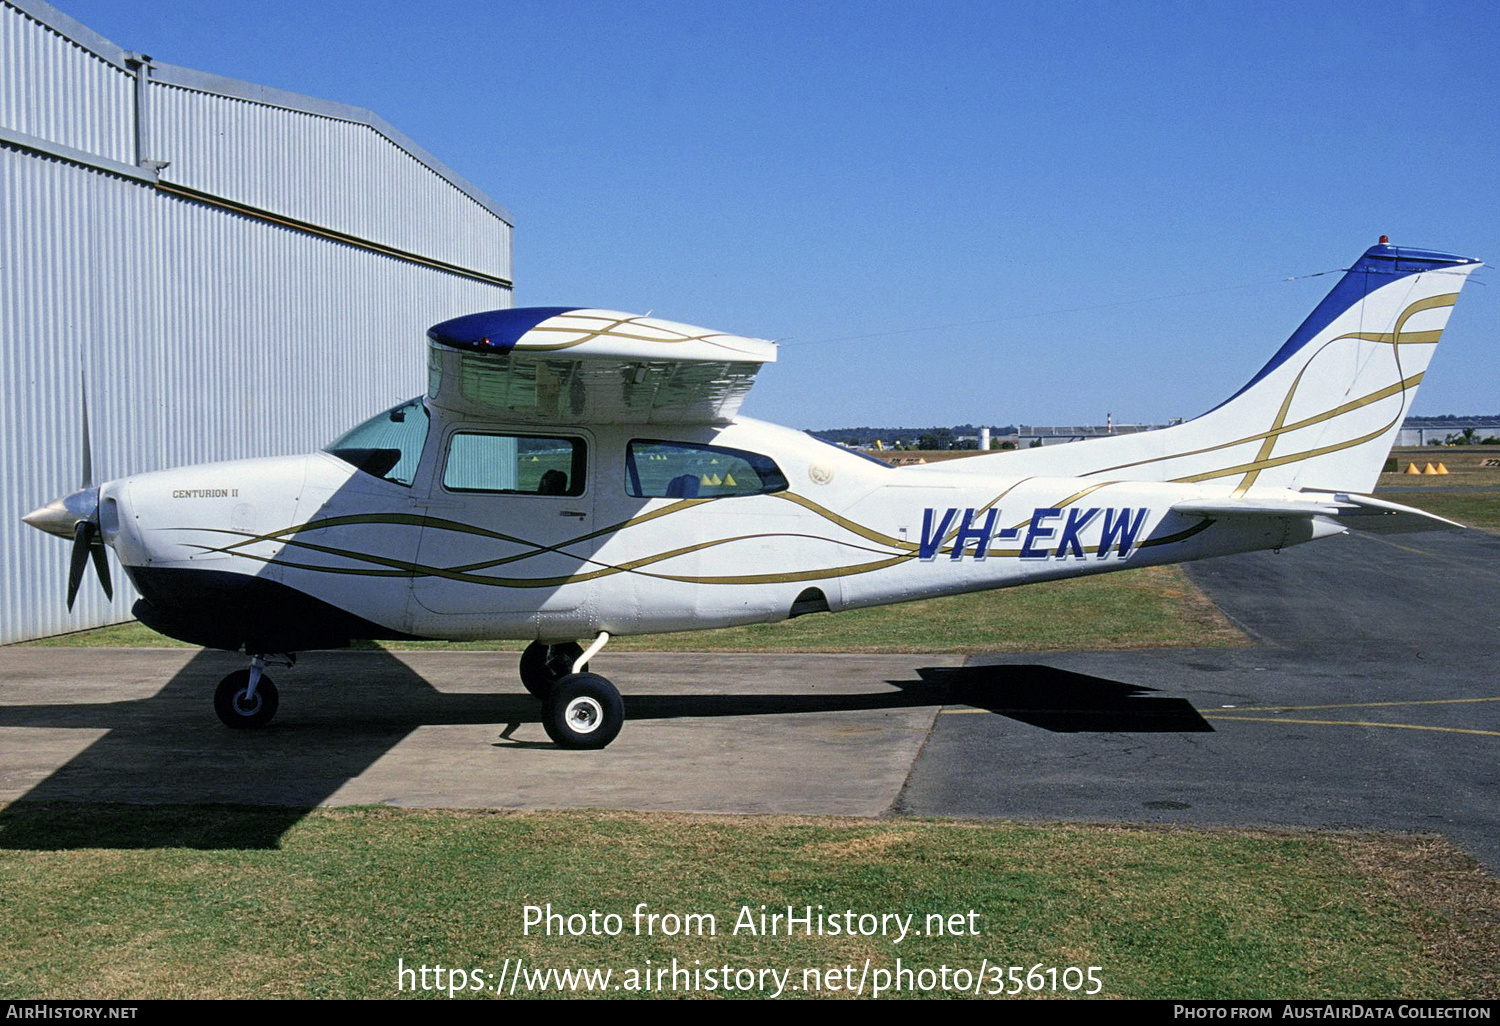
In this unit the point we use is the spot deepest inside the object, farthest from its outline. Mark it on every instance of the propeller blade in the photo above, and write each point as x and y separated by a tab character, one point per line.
88	455
101	563
81	533
88	542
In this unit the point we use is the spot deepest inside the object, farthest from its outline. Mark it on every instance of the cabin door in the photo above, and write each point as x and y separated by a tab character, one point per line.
507	537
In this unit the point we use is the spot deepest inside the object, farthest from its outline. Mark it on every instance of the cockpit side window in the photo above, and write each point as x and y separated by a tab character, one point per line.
387	446
686	470
515	464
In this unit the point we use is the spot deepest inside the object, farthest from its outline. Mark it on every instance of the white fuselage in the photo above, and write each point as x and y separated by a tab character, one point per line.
429	561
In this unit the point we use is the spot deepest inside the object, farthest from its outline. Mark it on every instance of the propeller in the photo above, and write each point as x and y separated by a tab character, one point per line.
76	516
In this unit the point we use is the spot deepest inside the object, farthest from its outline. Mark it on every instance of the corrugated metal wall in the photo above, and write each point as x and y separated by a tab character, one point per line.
202	334
54	89
276	159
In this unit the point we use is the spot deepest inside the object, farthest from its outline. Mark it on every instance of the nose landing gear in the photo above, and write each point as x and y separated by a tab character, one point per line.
247	699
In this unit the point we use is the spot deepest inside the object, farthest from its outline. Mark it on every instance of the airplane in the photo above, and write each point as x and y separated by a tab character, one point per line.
578	473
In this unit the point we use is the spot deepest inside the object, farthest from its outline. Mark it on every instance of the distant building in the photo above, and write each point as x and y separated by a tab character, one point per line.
1030	434
1426	430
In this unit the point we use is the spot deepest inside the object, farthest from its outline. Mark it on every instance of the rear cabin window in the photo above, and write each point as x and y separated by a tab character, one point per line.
514	464
684	470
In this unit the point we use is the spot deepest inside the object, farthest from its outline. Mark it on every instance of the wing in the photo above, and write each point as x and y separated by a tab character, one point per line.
551	365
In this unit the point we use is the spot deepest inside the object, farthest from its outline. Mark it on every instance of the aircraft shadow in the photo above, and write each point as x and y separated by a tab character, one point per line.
1063	701
160	756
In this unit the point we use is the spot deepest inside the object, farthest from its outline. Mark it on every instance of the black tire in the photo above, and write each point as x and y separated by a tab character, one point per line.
544	665
228	701
583	711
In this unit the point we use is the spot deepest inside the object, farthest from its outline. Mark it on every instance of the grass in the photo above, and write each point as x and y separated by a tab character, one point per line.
1466	468
1150	607
1164	913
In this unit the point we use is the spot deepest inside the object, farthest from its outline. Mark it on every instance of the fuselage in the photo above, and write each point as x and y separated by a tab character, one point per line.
458	532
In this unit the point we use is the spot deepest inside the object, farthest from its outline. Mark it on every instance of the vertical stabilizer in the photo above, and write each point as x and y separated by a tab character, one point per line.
1323	413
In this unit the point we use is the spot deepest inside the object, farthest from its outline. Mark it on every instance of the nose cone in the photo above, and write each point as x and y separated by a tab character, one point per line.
61	516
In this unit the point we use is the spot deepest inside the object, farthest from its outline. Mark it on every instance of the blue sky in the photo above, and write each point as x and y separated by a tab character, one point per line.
950	212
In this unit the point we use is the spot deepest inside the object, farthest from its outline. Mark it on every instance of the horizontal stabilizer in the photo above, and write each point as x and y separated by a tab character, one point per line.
1354	512
1221	508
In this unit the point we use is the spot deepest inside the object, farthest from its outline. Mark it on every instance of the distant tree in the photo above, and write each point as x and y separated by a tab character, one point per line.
1490	440
1036	443
1003	446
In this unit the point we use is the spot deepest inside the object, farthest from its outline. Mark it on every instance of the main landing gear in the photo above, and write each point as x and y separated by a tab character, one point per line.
579	709
247	698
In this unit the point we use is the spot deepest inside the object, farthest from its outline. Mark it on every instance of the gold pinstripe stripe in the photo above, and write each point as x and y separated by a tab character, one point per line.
1393	339
403	568
1389	338
1297	425
867	533
390	567
1296	457
610	330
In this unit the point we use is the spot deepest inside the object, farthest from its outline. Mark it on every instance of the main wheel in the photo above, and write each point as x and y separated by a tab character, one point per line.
583	711
235	711
544	665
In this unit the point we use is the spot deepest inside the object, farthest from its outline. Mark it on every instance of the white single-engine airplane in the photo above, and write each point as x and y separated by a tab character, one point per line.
580	473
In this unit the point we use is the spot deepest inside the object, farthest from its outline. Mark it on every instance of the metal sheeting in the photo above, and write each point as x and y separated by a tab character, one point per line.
54	89
201	335
331	172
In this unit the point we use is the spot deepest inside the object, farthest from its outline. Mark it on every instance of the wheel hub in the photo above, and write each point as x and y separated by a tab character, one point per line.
246	708
584	715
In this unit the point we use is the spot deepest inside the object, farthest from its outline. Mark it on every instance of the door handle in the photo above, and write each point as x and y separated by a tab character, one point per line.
580	514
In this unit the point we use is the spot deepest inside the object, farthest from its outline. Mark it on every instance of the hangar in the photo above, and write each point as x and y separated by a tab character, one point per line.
224	268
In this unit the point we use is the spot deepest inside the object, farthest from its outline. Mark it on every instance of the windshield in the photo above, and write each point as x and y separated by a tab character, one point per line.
388	445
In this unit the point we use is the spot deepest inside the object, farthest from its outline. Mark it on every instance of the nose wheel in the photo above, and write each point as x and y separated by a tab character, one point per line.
247	699
241	708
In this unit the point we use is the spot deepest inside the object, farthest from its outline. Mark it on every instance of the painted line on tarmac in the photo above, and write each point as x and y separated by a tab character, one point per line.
1430	555
1238	715
1350	723
1352	705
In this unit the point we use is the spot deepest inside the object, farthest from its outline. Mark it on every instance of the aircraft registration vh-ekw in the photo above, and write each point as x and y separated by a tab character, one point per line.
579	473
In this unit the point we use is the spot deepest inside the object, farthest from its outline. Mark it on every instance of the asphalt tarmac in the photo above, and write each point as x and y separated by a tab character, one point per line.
1368	700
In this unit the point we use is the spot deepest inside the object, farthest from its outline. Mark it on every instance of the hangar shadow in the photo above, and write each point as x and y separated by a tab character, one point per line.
130	787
